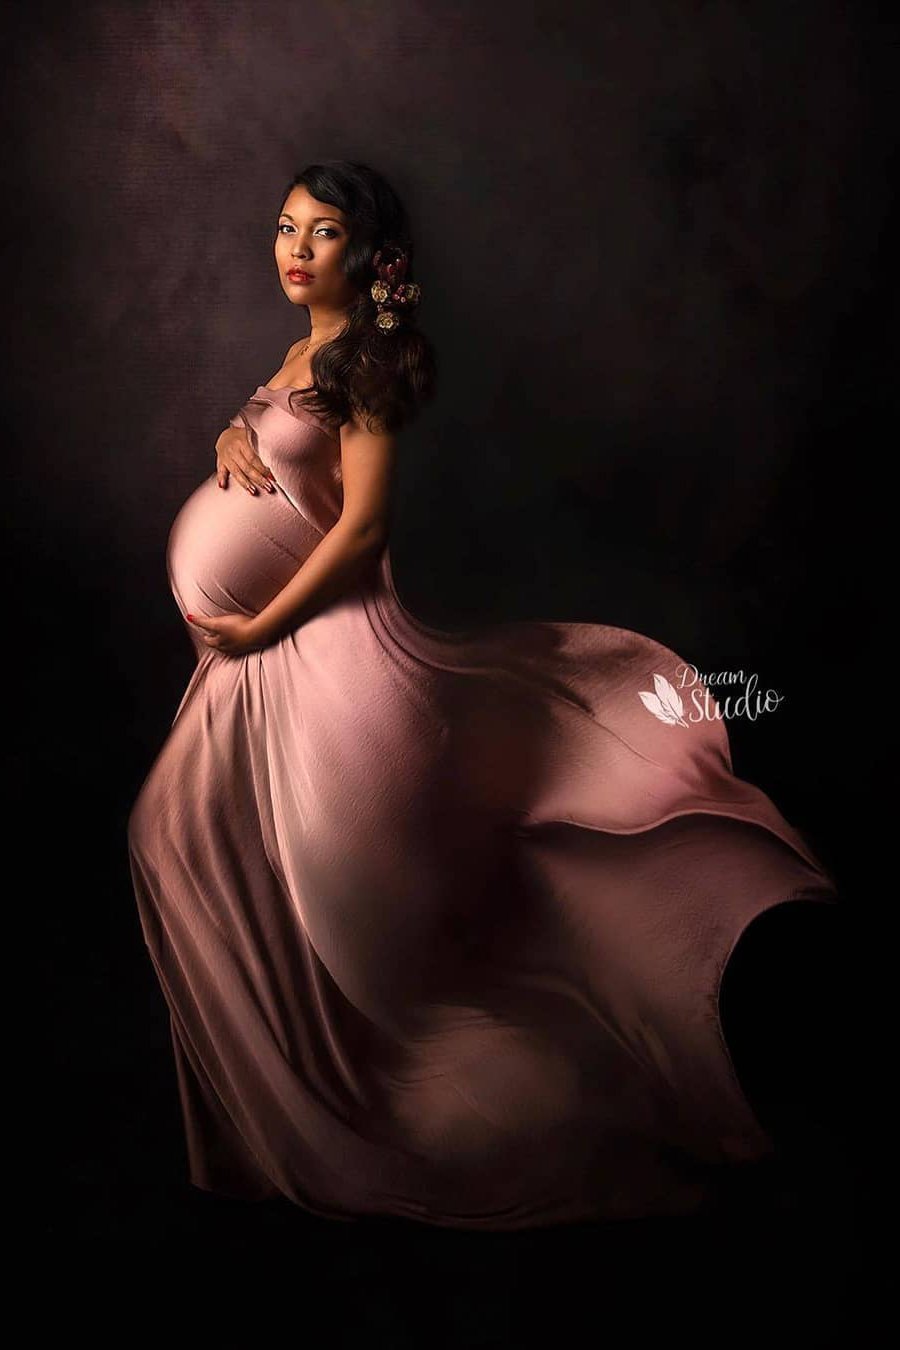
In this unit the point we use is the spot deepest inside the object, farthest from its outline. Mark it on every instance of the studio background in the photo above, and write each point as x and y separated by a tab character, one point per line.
652	243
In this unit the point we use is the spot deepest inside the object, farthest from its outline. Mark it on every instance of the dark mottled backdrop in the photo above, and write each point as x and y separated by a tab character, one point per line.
652	244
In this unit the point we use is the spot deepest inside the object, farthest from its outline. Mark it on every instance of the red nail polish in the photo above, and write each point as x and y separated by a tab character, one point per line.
191	617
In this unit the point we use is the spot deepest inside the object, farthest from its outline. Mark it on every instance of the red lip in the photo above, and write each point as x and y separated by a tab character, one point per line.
299	274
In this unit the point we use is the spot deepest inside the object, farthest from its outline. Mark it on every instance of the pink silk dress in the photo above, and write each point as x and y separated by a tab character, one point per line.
440	917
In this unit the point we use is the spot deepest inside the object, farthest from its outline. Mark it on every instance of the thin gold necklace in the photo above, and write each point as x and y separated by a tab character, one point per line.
305	348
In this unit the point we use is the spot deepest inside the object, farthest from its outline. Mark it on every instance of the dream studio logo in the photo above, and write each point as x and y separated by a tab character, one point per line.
667	704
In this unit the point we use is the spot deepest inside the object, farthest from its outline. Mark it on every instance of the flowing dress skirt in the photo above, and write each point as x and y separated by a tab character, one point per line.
440	917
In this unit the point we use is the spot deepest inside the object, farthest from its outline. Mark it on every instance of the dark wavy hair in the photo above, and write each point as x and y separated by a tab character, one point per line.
381	377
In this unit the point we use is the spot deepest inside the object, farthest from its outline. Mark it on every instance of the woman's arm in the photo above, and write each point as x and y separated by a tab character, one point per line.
352	543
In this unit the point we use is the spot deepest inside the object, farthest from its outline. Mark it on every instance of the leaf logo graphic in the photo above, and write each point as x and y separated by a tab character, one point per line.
666	703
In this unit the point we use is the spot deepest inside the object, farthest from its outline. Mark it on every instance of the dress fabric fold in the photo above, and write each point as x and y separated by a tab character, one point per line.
440	916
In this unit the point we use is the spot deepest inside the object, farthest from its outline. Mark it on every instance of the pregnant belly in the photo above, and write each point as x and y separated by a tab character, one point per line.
229	552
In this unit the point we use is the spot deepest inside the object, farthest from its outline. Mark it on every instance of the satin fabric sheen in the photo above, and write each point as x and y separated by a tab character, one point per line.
440	917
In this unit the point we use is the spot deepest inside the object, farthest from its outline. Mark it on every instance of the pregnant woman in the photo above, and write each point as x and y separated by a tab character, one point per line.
441	917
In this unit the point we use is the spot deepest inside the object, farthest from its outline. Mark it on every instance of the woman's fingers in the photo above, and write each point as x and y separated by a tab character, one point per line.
257	472
268	476
252	479
244	480
252	466
238	458
234	468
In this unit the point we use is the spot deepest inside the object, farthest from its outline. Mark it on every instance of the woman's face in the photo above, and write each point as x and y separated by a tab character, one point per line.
310	243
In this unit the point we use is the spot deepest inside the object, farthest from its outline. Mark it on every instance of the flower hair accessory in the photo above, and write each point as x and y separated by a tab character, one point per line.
391	262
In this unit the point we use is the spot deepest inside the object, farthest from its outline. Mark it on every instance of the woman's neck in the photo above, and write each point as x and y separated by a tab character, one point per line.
325	326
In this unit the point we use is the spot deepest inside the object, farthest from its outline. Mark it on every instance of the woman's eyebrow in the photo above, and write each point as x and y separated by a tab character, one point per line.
315	220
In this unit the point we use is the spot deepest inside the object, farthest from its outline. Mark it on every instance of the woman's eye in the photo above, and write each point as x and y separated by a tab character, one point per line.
327	228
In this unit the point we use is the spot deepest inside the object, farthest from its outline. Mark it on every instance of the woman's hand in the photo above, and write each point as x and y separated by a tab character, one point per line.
235	454
233	634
